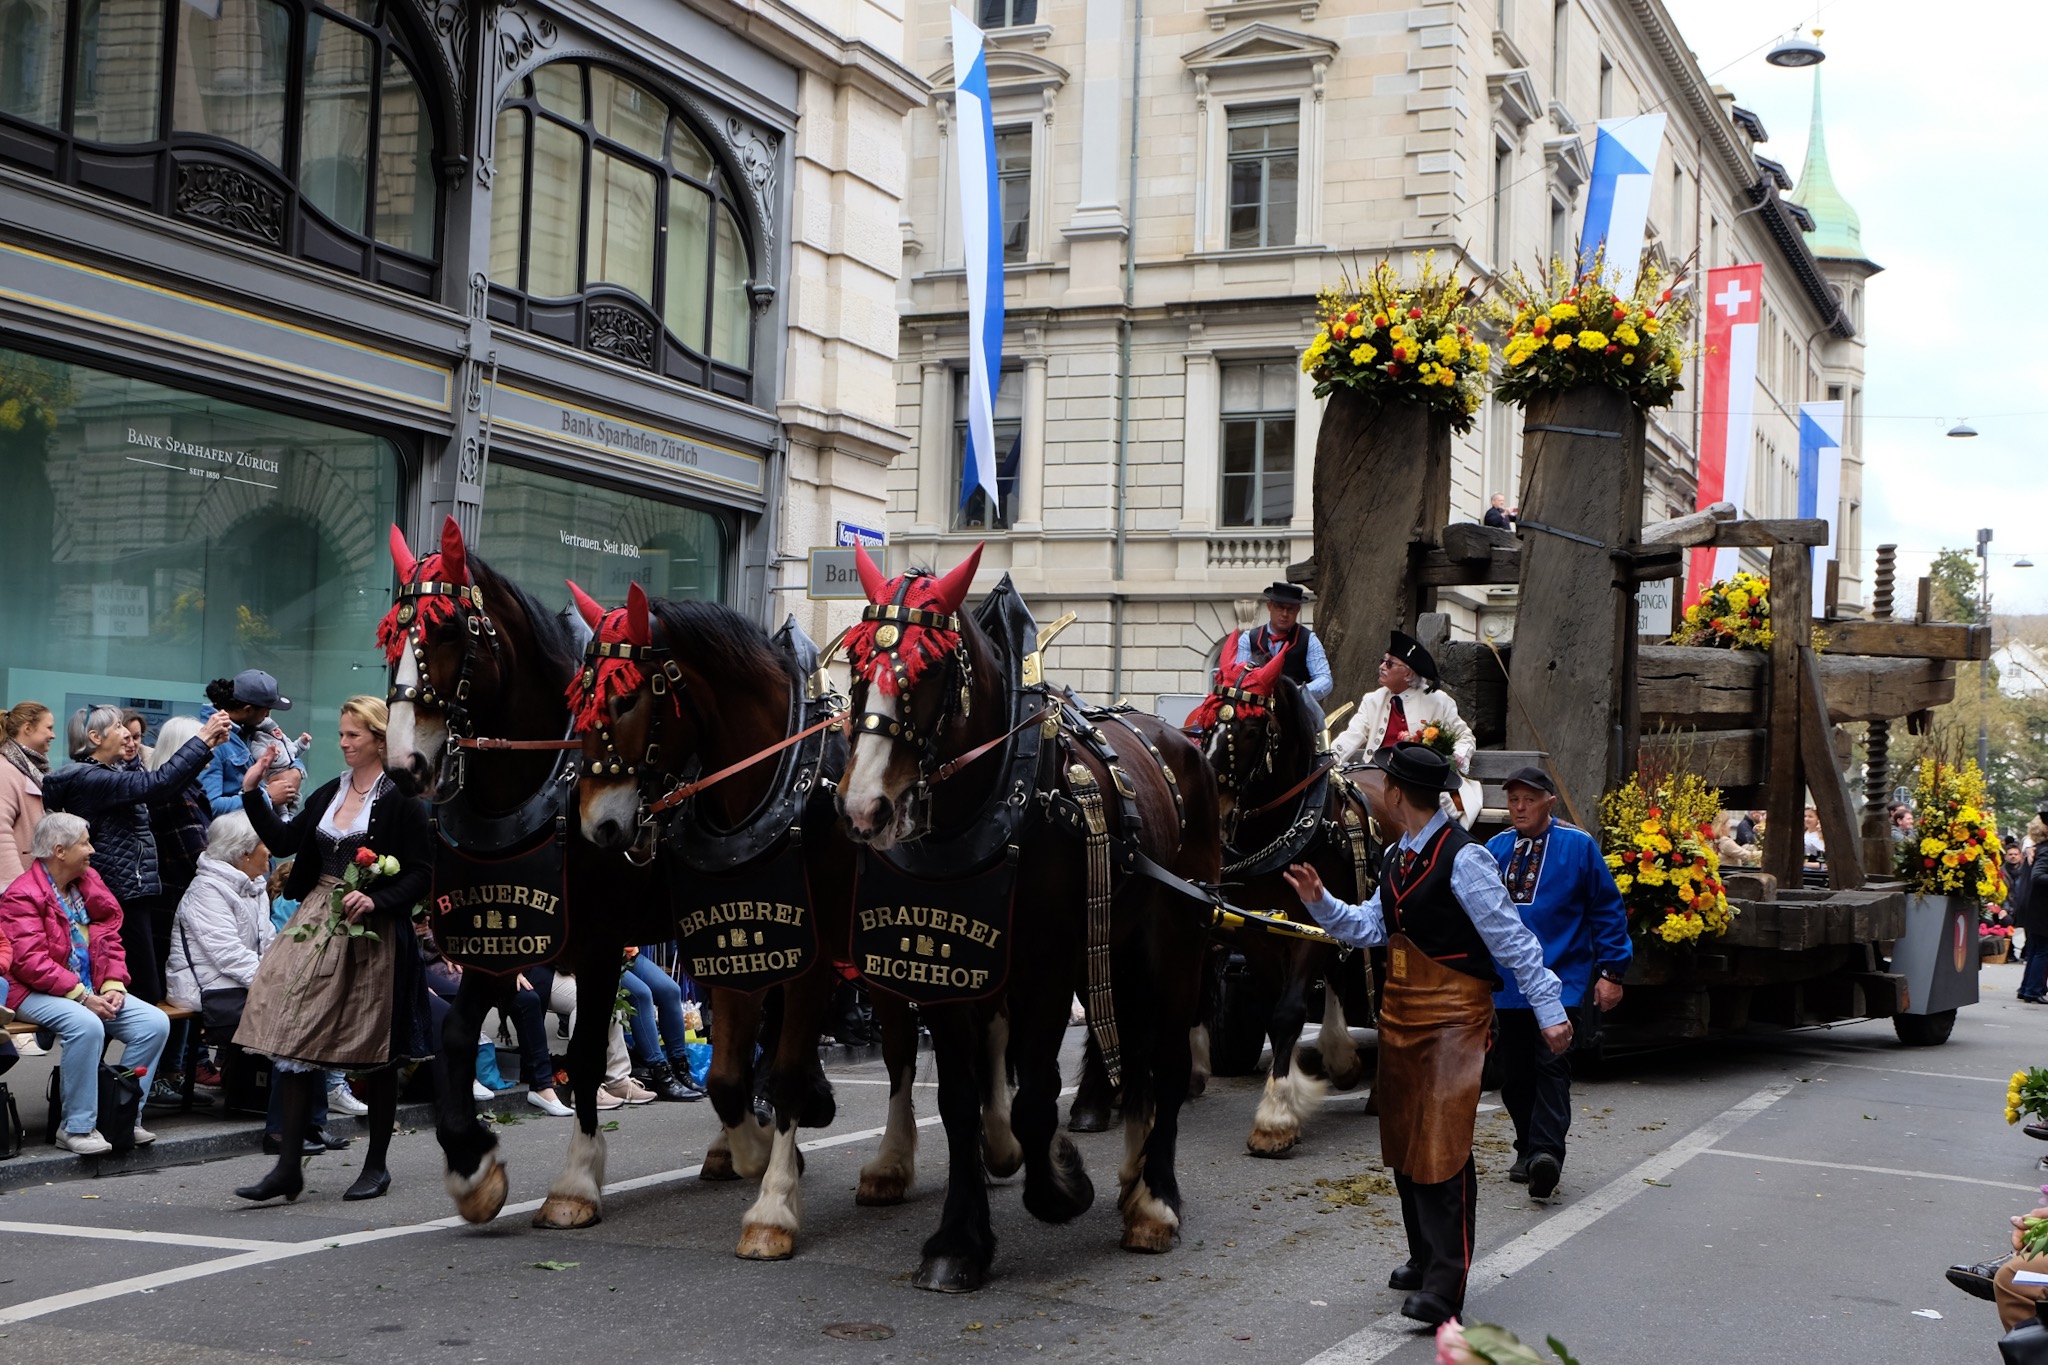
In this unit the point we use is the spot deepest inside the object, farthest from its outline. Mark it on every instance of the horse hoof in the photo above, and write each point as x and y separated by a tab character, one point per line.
1198	1082
1348	1078
1272	1141
877	1191
566	1212
481	1203
1150	1236
761	1242
949	1275
1088	1119
717	1166
1004	1164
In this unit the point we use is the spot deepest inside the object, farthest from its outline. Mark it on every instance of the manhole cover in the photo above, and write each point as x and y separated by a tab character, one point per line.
859	1331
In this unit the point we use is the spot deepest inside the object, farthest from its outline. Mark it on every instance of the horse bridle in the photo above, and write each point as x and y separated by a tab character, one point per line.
477	630
663	679
956	690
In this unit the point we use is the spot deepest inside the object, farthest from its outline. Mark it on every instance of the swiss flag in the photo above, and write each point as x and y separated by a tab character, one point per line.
1734	304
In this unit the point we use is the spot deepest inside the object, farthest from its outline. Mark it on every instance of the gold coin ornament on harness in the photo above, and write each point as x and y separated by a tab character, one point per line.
1226	712
887	636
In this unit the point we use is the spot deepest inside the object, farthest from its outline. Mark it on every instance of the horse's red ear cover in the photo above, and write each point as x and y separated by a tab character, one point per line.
600	680
916	647
454	560
401	555
1232	671
586	605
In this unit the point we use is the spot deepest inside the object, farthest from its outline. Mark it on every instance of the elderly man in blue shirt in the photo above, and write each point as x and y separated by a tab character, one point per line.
1558	880
1448	925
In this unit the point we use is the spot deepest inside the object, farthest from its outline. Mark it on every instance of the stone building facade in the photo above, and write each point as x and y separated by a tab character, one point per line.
1173	199
612	284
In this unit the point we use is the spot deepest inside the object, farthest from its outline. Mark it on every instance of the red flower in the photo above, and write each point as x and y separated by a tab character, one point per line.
364	857
1351	317
1414	312
1620	313
1379	319
1611	350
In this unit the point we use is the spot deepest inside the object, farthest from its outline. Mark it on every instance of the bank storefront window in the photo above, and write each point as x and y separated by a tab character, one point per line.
542	529
158	539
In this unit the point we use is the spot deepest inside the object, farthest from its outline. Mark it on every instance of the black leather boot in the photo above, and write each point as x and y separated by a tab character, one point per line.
661	1079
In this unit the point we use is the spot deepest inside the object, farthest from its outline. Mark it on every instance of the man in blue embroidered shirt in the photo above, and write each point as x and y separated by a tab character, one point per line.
1447	921
1559	881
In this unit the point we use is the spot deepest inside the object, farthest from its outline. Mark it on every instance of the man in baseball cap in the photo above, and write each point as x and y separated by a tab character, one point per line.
254	687
1559	883
248	699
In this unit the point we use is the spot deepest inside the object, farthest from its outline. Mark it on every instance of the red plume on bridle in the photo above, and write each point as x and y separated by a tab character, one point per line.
1245	689
420	610
912	646
611	675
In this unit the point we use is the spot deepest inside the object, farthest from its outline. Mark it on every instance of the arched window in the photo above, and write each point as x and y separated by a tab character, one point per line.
615	228
300	125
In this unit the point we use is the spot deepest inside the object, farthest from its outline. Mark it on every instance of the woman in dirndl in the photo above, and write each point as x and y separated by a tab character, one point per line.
326	996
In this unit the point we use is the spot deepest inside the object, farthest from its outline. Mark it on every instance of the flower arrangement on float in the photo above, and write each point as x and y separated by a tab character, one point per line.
1571	328
1400	340
1955	849
1658	840
1732	613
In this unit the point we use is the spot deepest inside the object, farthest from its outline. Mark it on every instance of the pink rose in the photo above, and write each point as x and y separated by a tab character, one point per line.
1451	1348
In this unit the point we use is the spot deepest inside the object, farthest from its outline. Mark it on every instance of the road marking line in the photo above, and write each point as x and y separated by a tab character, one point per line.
1903	1071
1871	1170
1390	1333
261	1253
173	1239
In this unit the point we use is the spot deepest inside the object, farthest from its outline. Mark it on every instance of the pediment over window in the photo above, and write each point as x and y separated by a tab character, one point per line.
1261	46
1515	93
1009	73
1566	157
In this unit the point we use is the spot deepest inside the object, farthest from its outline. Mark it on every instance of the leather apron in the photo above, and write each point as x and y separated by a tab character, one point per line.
1433	1029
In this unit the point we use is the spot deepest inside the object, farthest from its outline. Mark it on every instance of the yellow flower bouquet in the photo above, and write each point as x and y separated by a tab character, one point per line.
1733	613
2025	1094
1954	850
1660	848
1401	341
1569	329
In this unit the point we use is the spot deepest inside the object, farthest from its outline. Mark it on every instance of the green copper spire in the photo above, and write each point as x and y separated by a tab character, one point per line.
1838	232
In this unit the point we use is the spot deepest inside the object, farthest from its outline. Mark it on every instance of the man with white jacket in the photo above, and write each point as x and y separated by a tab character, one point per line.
1400	709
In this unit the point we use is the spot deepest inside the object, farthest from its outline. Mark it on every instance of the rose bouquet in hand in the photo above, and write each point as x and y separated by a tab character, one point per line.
1435	737
1482	1343
364	870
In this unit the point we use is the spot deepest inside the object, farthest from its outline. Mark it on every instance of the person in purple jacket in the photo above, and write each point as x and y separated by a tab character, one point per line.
1559	882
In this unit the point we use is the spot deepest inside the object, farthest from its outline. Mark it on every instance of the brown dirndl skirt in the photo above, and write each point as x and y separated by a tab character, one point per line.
349	1004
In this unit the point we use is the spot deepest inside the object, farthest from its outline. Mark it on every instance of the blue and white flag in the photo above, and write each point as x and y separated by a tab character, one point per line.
1820	485
981	230
1618	200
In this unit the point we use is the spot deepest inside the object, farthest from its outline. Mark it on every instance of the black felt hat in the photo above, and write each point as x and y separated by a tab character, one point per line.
1418	765
1409	651
1286	594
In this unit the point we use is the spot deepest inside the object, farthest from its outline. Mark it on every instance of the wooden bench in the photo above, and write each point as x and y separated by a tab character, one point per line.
174	1013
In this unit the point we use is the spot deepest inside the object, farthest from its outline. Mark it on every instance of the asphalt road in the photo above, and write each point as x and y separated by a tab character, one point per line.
1792	1198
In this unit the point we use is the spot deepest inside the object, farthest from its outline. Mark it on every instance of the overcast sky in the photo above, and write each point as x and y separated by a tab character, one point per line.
1934	115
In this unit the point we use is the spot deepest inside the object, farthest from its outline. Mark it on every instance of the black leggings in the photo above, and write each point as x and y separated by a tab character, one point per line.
146	940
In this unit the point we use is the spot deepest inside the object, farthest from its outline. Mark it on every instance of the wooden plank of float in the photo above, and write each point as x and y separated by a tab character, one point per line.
1722	758
1894	639
1435	569
1839	830
1765	535
1470	540
1695	528
1684	687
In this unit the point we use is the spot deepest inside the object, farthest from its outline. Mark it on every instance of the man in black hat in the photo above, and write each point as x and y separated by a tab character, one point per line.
1405	706
1283	632
1558	879
1448	925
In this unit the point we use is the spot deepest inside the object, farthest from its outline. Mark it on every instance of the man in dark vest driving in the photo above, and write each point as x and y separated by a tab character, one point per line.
1449	927
1283	633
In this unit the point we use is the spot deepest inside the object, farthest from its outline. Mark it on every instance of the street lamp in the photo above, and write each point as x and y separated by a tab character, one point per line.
1962	429
1796	51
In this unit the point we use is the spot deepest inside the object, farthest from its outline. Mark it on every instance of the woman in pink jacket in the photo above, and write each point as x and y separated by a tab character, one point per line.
70	976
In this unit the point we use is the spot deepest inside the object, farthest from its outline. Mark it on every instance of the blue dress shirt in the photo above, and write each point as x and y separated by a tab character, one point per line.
1475	880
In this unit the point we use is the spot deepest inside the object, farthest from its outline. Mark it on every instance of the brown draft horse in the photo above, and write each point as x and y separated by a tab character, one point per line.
930	687
1263	737
472	654
726	694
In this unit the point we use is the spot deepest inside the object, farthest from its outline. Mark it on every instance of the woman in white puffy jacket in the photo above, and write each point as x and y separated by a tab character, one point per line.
223	922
